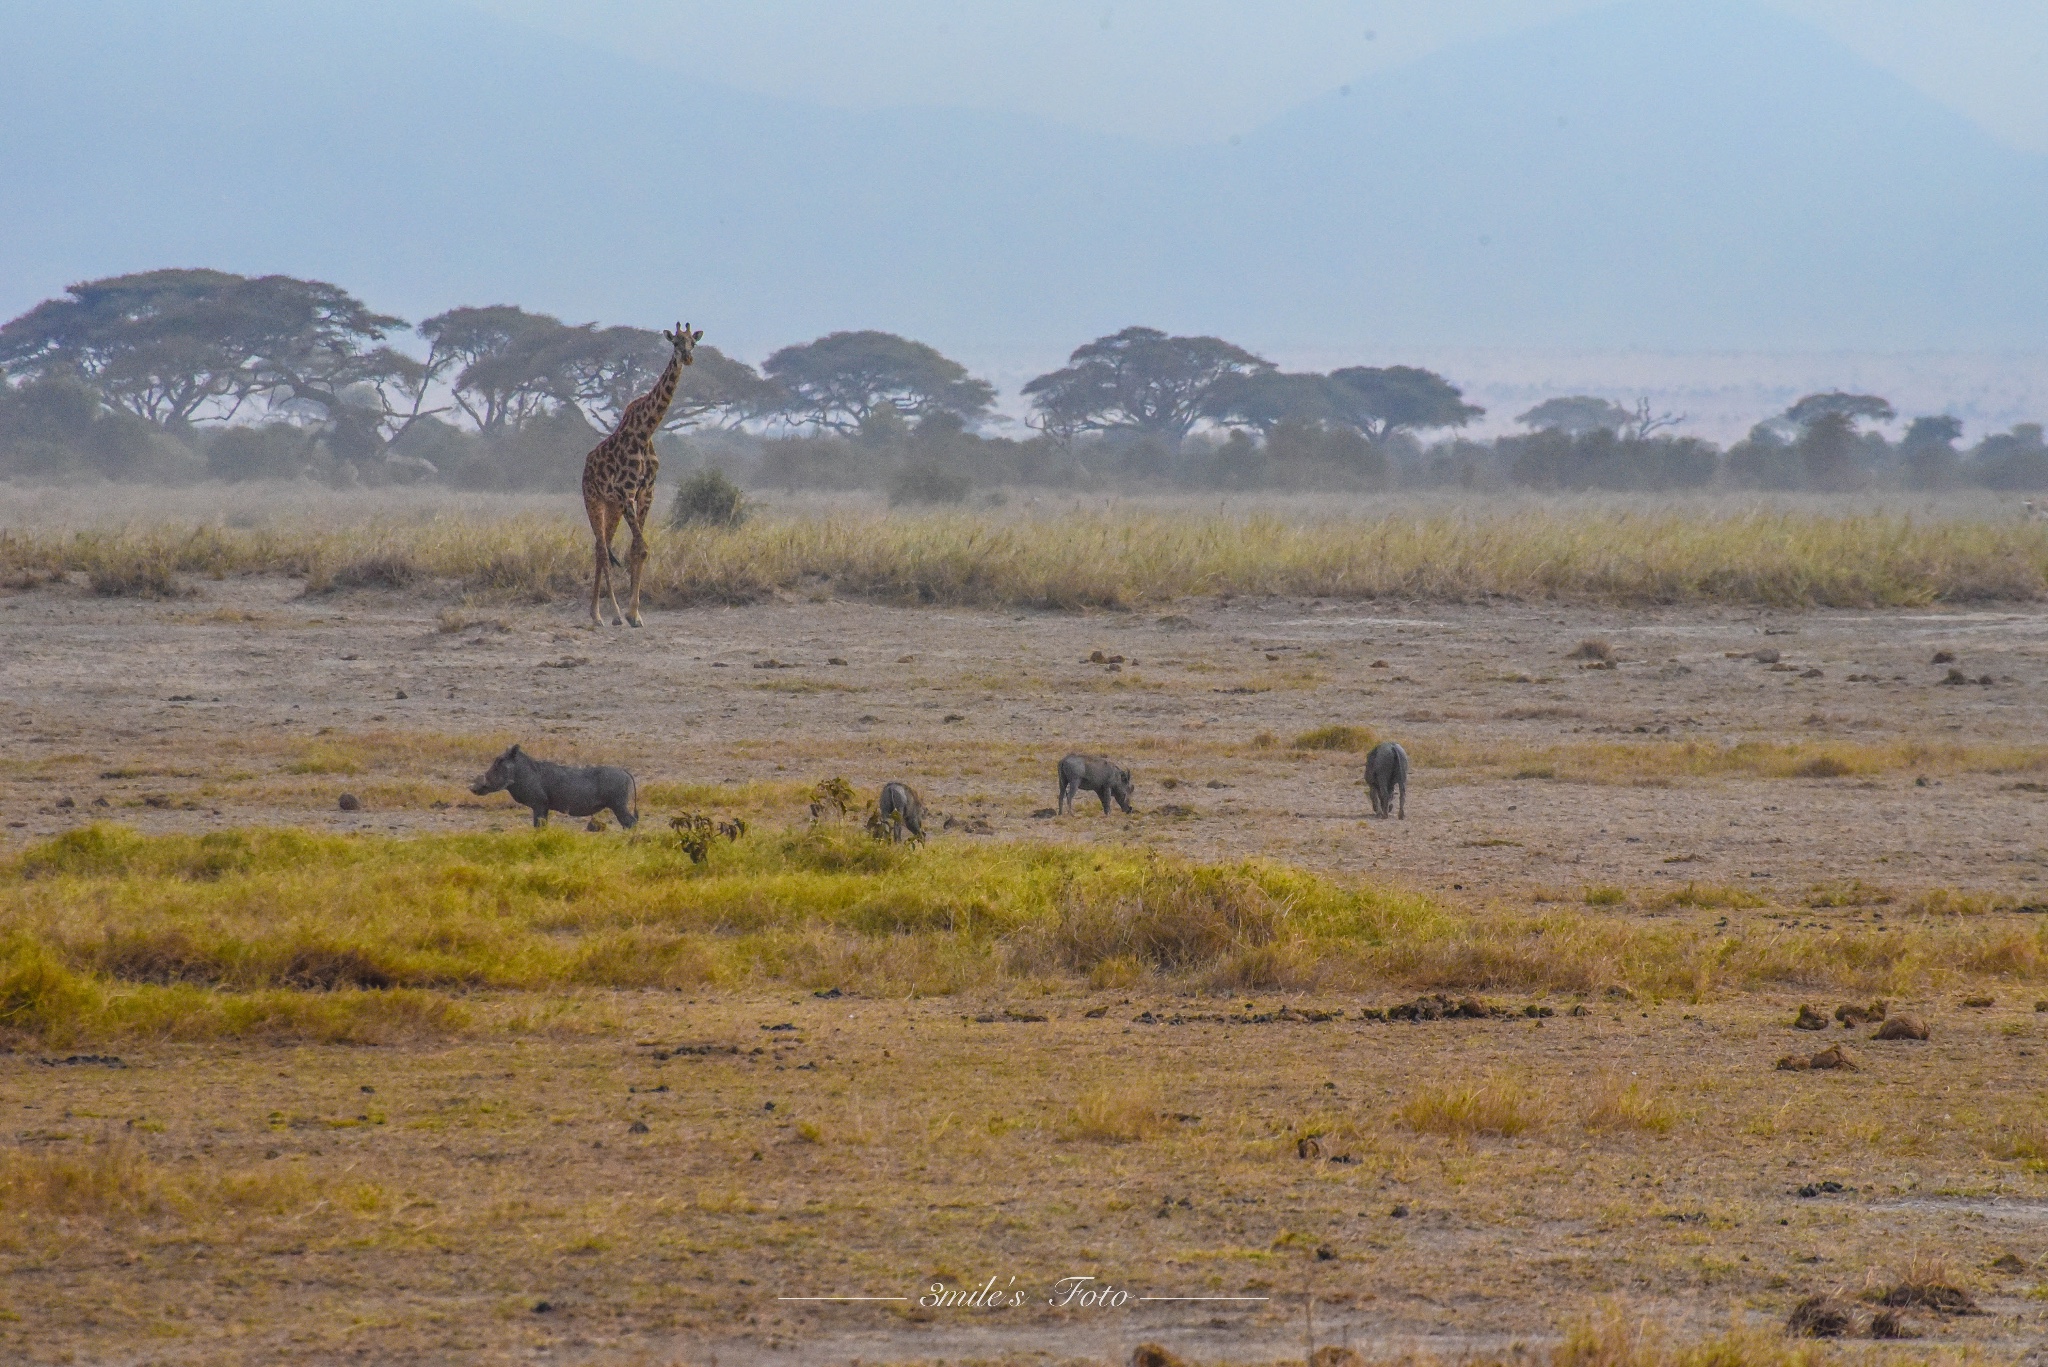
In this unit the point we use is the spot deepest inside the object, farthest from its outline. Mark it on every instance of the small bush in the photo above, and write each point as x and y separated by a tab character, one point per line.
1713	896
709	499
381	570
1592	648
1851	892
137	577
40	999
1176	919
1488	1106
1119	1113
928	481
1627	1107
1352	738
1930	1282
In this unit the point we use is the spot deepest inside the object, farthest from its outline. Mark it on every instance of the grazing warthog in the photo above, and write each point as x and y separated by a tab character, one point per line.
573	790
903	809
1098	776
1386	768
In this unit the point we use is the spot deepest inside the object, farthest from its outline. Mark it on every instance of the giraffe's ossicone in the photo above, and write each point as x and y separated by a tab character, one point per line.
618	480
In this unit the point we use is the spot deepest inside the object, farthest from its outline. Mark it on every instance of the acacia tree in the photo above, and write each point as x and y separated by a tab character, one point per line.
607	368
1855	407
180	346
1929	451
159	344
843	379
1575	415
1143	382
1265	399
510	362
316	349
1382	400
1828	435
517	366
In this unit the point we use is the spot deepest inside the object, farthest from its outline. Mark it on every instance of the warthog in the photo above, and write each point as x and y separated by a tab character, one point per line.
1098	776
573	790
903	809
1386	768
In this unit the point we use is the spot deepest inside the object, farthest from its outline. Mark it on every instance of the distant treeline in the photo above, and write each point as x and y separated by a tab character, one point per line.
180	375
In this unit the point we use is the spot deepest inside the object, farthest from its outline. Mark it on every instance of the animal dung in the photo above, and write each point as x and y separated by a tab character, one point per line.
1152	1355
1330	1354
1905	1025
1821	1317
1834	1057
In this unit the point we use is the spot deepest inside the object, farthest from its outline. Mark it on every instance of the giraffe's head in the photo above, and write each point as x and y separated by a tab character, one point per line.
685	341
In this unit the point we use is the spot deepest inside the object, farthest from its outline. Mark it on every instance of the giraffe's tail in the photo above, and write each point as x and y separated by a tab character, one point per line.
613	556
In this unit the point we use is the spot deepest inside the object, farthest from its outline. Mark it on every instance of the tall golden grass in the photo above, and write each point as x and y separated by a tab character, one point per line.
1124	559
282	933
116	1181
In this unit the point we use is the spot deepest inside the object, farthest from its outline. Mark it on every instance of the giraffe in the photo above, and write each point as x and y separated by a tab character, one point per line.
618	479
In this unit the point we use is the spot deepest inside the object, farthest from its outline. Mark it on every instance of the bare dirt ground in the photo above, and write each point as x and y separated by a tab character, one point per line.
219	710
878	1146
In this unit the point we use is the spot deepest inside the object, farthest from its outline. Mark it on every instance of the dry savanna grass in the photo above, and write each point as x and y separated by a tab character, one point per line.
106	933
1497	1106
1119	1112
1121	559
1662	761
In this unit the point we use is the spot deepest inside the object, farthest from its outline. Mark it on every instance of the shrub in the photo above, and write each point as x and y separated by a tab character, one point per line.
928	481
272	451
1173	919
1619	1106
142	576
1116	1114
709	499
378	570
1489	1106
1352	738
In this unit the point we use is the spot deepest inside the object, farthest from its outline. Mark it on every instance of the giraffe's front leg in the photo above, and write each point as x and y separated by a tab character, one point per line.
611	583
636	554
601	575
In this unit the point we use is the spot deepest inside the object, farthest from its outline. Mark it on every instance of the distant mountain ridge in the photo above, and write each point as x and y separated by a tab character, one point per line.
1660	173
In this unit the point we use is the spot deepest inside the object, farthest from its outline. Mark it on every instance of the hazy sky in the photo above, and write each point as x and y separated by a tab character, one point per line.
1203	69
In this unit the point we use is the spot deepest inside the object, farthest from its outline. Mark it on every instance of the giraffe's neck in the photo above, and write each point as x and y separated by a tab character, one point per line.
644	414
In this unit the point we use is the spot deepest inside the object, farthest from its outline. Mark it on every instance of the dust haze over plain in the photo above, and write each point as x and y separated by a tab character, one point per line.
1631	185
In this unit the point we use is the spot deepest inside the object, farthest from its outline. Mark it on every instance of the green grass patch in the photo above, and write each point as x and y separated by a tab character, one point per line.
290	934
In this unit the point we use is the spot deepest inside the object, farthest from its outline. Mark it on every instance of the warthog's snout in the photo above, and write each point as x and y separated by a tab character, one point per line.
480	787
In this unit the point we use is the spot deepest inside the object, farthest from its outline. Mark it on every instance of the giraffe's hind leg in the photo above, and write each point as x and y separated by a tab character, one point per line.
636	554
